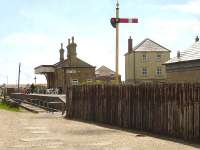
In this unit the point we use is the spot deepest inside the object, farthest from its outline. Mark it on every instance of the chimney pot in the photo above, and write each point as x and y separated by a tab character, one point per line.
71	49
68	41
197	39
61	52
178	54
130	44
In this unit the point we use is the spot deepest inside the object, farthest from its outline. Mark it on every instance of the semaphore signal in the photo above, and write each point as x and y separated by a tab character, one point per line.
115	23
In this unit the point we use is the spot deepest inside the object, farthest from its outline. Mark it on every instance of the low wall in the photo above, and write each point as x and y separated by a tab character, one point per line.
46	101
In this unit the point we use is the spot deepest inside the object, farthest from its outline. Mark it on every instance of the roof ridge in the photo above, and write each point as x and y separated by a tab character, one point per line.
143	41
189	54
84	62
104	67
152	42
60	62
138	45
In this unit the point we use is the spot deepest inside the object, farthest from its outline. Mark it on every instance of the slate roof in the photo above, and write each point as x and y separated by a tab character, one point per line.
149	45
78	63
104	71
44	66
190	54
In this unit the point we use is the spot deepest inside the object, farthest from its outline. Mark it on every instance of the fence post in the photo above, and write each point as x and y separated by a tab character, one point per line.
69	101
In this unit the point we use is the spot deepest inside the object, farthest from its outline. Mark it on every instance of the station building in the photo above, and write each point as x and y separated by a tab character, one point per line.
185	67
71	70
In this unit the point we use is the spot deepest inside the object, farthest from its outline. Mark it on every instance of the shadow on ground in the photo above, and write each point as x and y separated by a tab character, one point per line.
91	132
139	134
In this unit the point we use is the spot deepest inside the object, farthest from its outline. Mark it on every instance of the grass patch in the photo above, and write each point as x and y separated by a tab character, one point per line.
7	107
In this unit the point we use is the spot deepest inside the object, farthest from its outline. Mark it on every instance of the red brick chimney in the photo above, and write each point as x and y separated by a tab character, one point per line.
130	44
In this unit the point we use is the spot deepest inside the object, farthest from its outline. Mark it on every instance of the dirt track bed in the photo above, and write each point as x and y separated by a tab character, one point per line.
43	131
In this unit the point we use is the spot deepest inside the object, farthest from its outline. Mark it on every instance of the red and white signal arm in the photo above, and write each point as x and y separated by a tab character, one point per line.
126	20
114	21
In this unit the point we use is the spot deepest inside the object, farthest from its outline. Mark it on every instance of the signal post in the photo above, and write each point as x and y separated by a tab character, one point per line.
115	23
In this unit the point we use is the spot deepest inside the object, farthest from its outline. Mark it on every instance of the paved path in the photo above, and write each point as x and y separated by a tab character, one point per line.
43	131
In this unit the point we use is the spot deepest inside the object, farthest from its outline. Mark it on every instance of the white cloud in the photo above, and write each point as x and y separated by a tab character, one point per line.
97	52
191	6
31	49
172	31
31	46
26	38
24	13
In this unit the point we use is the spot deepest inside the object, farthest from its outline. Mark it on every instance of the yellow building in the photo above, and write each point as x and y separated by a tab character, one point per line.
144	62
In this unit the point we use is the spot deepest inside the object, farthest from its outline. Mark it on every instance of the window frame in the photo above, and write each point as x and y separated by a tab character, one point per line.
89	80
158	58
74	82
144	58
144	71
158	71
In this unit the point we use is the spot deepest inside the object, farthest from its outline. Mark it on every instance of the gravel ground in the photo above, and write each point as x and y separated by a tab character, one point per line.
43	131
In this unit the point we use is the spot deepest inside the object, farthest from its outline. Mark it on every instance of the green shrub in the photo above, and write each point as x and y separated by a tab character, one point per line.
5	106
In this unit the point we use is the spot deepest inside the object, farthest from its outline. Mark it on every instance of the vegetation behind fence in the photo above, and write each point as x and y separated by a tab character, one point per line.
167	109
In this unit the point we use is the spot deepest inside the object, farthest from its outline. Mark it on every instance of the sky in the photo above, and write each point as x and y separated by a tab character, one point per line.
31	31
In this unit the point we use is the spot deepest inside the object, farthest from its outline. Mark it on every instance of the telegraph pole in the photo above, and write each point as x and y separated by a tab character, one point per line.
35	80
19	77
117	46
7	79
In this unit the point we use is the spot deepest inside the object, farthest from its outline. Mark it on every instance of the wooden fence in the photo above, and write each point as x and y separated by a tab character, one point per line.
167	109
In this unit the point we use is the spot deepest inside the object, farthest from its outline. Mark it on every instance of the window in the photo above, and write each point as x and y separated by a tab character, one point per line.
89	80
158	71
74	82
144	57
144	71
158	57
